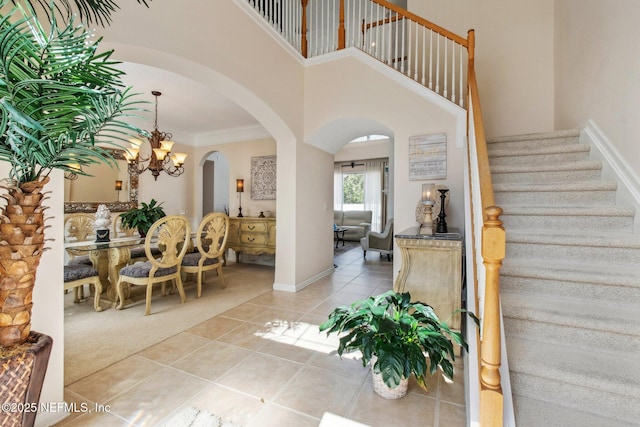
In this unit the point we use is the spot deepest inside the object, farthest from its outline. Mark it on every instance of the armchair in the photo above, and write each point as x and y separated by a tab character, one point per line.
379	242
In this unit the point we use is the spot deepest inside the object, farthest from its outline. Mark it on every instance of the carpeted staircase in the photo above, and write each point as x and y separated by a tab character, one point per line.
570	284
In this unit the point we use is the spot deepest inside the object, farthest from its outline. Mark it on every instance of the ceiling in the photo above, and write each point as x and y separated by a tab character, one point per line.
185	106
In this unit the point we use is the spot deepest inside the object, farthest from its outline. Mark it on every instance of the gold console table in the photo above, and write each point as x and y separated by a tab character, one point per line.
253	236
432	271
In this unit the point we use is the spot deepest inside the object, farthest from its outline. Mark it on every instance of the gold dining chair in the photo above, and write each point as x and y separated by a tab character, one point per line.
78	275
211	242
172	235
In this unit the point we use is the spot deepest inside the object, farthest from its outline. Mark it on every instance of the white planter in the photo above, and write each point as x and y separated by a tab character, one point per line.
385	391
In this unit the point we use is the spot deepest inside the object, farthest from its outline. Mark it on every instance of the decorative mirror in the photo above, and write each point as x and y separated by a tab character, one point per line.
85	193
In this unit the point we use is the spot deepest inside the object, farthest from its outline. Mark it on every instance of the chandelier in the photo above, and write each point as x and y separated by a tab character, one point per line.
160	157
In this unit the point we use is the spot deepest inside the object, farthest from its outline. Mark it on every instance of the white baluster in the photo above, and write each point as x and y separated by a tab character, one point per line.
446	63
415	61
396	57
461	101
437	63
402	49
431	59
453	71
424	55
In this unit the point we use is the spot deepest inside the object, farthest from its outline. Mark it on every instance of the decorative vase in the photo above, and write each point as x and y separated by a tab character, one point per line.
387	392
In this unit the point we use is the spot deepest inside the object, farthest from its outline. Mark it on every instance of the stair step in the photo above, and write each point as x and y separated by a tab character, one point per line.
613	248
590	280
604	217
544	155
617	409
594	315
605	385
582	338
575	133
545	173
581	193
532	412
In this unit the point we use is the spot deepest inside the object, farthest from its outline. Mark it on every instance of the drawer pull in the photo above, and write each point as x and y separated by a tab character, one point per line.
251	239
251	227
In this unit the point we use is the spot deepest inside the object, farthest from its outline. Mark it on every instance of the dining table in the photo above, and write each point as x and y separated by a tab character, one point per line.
108	258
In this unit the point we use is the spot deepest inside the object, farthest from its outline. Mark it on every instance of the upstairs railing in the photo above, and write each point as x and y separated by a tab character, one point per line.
444	63
415	47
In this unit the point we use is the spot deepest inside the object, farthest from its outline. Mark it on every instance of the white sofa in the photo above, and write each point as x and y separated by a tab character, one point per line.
357	223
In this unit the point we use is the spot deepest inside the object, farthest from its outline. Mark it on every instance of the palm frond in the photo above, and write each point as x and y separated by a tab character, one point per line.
59	97
89	11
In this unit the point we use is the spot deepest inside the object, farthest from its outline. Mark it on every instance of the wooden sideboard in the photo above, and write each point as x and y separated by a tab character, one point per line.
252	236
432	271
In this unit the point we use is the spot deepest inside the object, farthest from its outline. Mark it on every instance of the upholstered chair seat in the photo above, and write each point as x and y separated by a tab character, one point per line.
78	275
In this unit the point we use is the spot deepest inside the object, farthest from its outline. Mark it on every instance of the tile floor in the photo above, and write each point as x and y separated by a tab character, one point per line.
264	363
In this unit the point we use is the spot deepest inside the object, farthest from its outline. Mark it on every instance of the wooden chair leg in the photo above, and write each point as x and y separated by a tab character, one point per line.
147	310
224	284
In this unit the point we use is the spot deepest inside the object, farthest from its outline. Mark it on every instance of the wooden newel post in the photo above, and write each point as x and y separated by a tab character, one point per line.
471	47
341	32
493	252
303	40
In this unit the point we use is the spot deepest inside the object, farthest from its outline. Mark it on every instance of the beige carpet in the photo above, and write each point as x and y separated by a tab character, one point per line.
94	340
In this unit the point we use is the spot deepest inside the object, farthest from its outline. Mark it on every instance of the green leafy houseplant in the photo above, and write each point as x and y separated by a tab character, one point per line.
59	98
142	218
398	333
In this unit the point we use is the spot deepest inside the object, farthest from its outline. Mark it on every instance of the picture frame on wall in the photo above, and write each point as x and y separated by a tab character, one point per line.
263	178
428	157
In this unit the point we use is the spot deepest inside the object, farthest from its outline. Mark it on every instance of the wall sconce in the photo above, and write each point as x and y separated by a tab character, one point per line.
240	190
118	188
426	204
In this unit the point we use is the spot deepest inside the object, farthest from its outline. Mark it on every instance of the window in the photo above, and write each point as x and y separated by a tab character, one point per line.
353	191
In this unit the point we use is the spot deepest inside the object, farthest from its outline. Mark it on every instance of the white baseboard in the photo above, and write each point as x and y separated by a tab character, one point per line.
614	164
300	286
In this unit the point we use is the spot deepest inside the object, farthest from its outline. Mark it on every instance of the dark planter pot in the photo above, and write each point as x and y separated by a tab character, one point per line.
22	371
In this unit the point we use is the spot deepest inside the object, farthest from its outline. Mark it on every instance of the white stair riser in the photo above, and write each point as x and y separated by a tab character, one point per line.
566	222
615	406
550	198
530	143
545	177
540	159
586	254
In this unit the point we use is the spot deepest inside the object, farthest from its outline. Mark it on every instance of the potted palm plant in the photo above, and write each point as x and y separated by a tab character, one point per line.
398	337
59	97
143	217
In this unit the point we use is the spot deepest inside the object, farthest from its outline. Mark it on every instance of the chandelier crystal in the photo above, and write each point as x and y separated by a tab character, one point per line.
160	157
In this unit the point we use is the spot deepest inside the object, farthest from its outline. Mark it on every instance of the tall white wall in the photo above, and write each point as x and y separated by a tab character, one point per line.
514	57
597	69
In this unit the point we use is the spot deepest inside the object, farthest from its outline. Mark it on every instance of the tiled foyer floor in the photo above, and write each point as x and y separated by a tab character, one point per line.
264	363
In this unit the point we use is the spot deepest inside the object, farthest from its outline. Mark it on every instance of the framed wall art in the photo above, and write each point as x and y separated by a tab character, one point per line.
428	157
263	178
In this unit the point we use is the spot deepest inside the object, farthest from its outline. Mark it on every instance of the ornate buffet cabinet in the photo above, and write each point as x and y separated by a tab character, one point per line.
252	236
432	271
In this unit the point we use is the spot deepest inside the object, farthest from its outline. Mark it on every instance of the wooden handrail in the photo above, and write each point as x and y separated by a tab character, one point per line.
493	252
438	29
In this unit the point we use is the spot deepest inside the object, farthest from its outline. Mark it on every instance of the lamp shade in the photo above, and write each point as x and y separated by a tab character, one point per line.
118	185
239	185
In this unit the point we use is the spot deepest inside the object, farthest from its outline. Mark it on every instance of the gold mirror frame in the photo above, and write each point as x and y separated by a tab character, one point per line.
91	207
